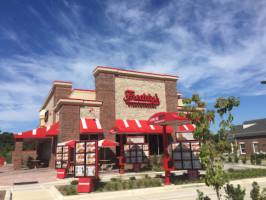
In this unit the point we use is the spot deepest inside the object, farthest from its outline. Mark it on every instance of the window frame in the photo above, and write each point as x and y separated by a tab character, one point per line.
254	147
241	152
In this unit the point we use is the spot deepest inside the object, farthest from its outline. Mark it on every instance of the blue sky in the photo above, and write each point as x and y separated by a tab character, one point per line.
217	48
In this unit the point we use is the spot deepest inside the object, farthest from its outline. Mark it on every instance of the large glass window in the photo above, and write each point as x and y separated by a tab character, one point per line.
242	148
256	147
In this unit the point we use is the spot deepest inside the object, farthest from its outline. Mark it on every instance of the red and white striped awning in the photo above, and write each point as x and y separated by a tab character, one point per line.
52	130
90	126
136	126
35	133
70	143
106	143
187	128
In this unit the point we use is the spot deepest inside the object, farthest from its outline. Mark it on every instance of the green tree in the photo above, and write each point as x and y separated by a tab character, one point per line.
215	176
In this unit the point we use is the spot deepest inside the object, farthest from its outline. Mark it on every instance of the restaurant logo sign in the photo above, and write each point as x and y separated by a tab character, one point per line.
144	100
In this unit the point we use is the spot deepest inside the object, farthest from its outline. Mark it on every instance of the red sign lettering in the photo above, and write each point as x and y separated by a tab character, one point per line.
149	101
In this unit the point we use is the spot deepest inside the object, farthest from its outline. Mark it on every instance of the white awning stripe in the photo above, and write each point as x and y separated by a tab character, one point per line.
194	125
98	124
34	132
84	125
84	183
125	122
185	126
152	127
138	123
47	128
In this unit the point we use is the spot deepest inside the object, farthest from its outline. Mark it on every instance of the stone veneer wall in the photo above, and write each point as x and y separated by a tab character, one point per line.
85	112
105	91
140	86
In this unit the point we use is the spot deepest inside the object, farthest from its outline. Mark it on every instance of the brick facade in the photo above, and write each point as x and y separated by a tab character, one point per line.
105	91
25	155
171	103
68	123
248	141
17	154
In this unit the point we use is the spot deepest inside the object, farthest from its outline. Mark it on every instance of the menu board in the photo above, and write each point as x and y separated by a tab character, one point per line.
137	153
62	157
86	159
185	154
135	139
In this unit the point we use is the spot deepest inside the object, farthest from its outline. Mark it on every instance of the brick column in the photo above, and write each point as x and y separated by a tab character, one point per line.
105	92
171	103
18	154
52	159
60	92
68	123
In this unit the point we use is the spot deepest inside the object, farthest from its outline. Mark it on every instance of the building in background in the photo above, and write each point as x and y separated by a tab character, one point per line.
250	137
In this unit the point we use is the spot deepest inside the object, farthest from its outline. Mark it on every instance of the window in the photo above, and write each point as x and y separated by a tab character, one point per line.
256	147
46	116
242	148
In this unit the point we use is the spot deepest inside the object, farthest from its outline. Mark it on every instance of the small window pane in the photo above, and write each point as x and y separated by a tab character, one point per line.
242	146
256	147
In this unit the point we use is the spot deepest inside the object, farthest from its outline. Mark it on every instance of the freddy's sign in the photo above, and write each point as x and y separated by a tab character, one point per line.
144	100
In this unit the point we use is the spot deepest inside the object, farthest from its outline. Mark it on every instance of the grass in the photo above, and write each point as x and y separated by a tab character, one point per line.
2	194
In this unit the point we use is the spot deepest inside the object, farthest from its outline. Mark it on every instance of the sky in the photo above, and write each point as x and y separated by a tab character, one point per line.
217	48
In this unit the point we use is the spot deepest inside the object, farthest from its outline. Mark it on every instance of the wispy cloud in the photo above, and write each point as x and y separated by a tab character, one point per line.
216	47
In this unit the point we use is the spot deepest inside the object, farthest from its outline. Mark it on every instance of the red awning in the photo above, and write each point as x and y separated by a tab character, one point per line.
90	126
187	128
52	130
35	133
70	143
167	118
136	126
106	143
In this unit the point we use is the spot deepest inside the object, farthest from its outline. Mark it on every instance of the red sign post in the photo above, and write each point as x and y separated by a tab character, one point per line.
164	119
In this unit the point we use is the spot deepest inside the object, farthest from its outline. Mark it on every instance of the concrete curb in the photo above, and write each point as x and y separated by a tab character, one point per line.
8	194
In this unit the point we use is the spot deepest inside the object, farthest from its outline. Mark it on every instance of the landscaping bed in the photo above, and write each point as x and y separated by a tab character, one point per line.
2	194
117	184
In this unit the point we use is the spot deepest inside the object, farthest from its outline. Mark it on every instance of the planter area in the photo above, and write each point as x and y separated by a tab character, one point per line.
117	184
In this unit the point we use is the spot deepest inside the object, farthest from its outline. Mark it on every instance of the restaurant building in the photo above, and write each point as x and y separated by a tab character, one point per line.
121	103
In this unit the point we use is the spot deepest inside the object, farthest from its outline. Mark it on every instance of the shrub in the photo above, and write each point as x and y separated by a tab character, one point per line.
74	182
258	160
139	183
71	190
154	159
130	184
132	178
236	159
253	158
244	160
146	176
234	193
113	179
261	155
124	185
201	196
115	186
254	193
108	186
158	176
229	159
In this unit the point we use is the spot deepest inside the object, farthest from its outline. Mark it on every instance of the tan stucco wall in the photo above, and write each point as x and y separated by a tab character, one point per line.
85	112
123	111
50	107
86	95
180	102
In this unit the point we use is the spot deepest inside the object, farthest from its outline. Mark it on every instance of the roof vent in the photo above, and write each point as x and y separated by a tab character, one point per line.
248	125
